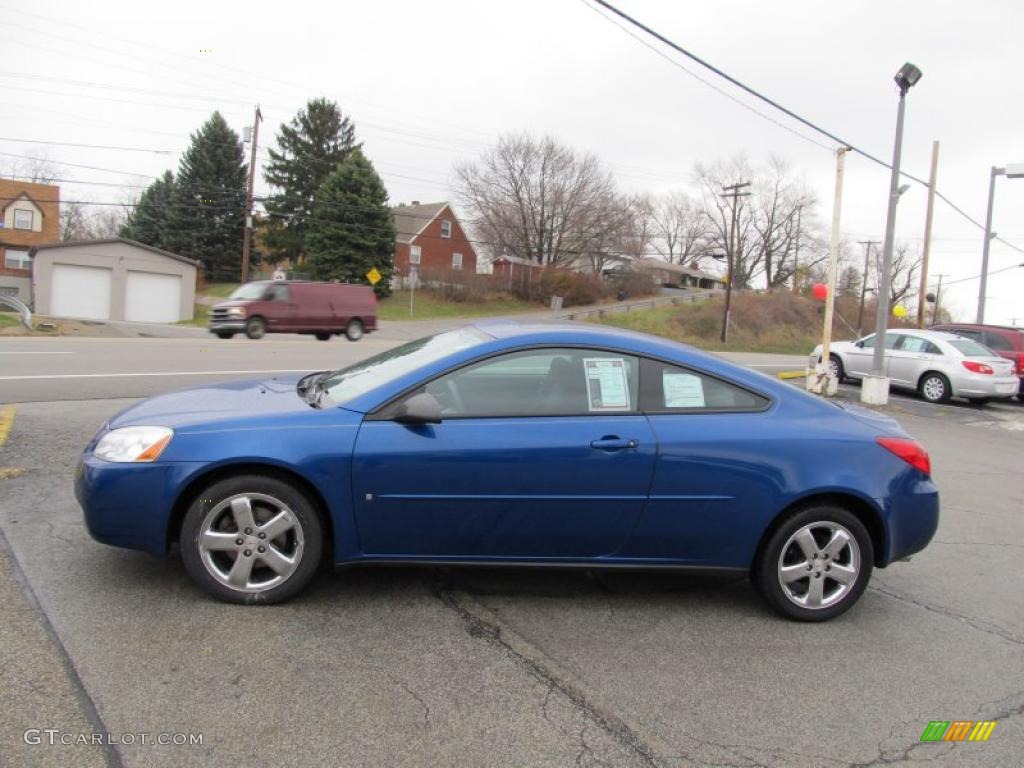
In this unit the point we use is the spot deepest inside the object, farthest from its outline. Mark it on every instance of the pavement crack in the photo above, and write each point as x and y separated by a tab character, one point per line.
480	622
982	626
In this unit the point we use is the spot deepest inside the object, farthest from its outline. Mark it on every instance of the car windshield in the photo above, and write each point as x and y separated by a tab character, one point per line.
249	291
969	348
348	383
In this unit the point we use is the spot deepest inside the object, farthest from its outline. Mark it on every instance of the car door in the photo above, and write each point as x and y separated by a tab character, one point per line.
904	359
711	486
540	453
282	310
859	360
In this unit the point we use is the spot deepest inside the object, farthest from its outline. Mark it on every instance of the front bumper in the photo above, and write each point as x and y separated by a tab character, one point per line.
233	324
130	505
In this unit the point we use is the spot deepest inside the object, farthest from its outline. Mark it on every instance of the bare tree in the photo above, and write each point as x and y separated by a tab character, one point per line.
540	200
905	264
680	228
82	222
35	167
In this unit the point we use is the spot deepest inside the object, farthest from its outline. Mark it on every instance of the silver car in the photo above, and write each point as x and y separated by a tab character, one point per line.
936	364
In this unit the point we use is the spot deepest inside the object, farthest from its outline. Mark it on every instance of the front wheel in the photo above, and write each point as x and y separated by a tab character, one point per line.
256	328
354	330
816	564
835	367
322	336
935	388
225	335
251	539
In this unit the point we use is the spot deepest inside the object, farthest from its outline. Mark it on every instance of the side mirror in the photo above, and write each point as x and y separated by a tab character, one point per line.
419	409
859	344
268	295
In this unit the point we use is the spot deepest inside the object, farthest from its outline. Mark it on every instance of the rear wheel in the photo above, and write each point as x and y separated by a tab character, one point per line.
322	336
251	539
354	330
816	564
934	388
256	328
225	335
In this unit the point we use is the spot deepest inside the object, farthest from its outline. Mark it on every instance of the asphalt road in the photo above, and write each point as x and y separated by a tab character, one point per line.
409	667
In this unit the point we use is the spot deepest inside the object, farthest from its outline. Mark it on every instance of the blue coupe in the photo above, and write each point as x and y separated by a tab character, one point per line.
506	443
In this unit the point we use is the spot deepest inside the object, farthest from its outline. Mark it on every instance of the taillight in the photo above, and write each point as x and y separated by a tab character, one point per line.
970	365
909	450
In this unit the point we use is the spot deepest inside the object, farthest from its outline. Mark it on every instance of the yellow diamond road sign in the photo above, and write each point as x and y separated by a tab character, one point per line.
373	276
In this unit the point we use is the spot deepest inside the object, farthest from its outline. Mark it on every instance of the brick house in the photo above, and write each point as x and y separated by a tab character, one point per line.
29	216
430	236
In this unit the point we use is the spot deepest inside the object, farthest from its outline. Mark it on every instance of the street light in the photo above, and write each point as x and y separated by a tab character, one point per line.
876	386
1012	171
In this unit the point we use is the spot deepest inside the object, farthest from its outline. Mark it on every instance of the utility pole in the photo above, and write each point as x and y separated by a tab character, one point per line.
864	280
938	298
732	192
927	235
796	251
247	234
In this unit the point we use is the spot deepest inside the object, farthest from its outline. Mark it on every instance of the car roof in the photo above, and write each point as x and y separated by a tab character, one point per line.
980	326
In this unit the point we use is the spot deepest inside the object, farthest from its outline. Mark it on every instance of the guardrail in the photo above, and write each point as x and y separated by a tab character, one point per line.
626	306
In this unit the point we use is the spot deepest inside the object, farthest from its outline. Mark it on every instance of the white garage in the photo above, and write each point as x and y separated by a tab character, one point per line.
113	279
78	291
151	297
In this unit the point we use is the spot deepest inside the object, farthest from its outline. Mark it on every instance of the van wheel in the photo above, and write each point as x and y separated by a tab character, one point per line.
322	336
225	335
256	328
354	330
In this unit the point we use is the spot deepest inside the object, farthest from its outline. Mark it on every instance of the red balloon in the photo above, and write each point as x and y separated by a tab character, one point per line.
819	291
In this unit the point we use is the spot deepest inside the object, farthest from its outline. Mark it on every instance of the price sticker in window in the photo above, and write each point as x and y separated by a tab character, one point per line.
682	390
607	386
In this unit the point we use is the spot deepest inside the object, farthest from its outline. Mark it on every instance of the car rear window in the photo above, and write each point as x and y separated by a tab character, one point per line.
349	383
970	348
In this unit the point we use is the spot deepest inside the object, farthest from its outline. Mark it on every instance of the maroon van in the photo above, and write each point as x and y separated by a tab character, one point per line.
293	306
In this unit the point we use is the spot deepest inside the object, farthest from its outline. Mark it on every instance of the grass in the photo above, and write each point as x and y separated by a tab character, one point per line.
428	307
9	319
202	314
218	290
774	323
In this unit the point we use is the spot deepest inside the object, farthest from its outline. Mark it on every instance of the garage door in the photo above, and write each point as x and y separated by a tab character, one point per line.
152	298
80	292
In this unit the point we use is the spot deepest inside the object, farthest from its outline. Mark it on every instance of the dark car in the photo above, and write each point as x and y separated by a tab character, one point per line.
1004	340
501	443
291	306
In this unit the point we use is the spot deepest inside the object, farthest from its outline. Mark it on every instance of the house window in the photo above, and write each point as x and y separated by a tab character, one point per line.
446	228
17	259
414	254
456	261
22	219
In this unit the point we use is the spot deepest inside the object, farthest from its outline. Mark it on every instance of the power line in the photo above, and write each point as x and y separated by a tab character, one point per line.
790	113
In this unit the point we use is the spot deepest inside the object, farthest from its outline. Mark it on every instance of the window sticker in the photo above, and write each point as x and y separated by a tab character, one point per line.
607	388
682	390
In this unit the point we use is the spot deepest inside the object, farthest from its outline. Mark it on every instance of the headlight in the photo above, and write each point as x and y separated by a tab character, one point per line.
133	444
236	312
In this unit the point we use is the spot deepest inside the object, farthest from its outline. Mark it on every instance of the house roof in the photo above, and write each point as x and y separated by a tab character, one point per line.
11	190
22	196
111	240
410	220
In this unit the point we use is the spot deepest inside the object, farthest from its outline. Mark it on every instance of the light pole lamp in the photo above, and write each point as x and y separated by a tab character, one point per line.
876	386
1015	171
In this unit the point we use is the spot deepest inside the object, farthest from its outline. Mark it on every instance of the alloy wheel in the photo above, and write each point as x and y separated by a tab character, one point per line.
819	565
934	388
251	542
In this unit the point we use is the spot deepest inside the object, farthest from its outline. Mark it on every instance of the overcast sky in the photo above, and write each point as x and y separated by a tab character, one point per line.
428	84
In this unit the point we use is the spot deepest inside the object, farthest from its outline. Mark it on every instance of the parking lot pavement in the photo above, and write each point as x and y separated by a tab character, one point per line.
389	666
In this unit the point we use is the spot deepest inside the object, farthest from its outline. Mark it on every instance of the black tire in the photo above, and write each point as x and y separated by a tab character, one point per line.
934	388
322	335
225	335
255	327
306	520
840	369
354	330
766	573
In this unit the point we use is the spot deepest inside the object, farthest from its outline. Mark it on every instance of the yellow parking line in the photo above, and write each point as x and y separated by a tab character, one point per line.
6	420
791	374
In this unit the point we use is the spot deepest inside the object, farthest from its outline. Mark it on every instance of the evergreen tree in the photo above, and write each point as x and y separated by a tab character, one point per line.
318	138
150	221
208	206
351	230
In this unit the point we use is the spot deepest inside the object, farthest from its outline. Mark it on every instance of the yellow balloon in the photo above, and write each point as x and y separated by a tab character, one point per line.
899	311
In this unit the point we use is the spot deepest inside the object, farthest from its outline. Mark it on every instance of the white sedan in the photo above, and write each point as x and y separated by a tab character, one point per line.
936	364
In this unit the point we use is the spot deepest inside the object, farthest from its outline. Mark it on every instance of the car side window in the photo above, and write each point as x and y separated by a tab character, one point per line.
891	340
919	345
541	382
277	293
667	388
997	342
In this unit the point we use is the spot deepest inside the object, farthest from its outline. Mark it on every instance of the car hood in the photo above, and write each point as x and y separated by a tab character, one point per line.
228	401
233	303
